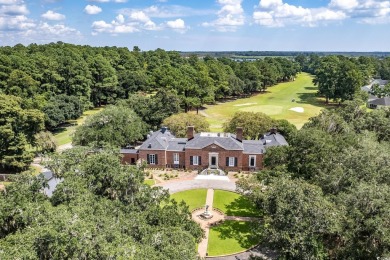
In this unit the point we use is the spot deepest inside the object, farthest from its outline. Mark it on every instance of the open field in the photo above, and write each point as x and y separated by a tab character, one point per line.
193	198
64	134
230	237
275	102
234	204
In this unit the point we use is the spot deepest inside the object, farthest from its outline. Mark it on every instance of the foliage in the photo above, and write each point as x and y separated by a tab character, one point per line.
178	123
18	127
116	126
101	210
254	124
326	195
45	141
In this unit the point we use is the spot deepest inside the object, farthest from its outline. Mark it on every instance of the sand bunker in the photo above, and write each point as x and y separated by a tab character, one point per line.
245	104
298	109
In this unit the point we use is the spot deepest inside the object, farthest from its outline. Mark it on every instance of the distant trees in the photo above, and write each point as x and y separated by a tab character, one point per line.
178	123
117	126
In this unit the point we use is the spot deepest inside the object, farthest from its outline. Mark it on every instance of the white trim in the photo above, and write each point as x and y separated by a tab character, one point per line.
176	158
232	161
211	155
195	160
152	159
250	159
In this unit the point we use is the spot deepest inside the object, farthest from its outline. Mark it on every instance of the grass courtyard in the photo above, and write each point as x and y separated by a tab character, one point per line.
230	237
233	204
194	198
275	102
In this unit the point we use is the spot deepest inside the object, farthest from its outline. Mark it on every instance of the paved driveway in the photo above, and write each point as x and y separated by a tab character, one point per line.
177	186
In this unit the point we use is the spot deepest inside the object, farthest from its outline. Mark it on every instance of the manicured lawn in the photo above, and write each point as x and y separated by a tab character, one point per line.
150	182
230	237
64	135
276	103
233	204
193	198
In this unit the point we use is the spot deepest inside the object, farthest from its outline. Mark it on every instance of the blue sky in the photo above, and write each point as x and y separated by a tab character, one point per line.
199	25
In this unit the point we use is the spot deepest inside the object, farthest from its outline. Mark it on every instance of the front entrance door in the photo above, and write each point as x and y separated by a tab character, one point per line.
213	161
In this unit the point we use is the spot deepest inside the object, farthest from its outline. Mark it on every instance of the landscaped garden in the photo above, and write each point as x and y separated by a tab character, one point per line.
234	204
230	232
295	101
194	198
231	237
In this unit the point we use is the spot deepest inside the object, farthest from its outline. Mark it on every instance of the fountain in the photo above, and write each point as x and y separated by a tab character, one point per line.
206	214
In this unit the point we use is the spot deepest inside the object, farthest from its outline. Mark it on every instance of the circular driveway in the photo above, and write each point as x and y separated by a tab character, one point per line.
177	186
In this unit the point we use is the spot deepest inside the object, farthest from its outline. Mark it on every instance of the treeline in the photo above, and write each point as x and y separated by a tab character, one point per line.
327	194
340	78
62	80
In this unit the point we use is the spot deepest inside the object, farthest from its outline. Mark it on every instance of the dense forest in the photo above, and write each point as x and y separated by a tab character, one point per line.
56	82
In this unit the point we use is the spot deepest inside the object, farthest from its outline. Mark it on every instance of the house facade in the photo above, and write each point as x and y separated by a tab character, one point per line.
199	151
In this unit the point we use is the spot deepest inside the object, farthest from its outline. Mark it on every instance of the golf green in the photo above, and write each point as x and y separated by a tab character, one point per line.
295	101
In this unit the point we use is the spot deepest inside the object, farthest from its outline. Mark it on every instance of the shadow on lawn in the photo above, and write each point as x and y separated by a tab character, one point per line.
247	234
242	207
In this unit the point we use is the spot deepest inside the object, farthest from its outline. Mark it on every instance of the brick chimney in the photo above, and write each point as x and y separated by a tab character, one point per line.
239	133
190	132
273	130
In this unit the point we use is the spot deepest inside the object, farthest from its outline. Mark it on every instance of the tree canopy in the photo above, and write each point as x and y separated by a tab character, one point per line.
178	123
101	210
117	126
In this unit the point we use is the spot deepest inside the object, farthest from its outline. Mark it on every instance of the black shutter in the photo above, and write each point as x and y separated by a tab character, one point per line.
147	158
156	159
235	161
227	161
200	160
191	160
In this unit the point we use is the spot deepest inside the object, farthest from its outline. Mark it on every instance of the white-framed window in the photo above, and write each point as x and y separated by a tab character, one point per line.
195	160
175	158
231	161
152	159
252	160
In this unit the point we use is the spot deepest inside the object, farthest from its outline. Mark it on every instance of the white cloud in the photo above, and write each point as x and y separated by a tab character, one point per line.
92	9
14	10
275	13
168	11
176	24
344	4
230	16
16	23
139	16
50	15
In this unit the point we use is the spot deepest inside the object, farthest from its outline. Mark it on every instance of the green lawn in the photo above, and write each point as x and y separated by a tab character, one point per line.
64	135
230	237
150	182
276	103
234	204
193	198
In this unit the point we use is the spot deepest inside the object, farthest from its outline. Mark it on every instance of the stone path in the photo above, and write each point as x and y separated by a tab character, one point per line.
202	247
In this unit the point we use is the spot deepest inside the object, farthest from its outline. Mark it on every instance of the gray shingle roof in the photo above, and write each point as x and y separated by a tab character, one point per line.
228	142
177	144
158	140
253	146
273	139
380	101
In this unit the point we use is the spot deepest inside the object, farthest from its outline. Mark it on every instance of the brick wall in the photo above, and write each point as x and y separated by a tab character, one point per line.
129	158
245	162
161	158
170	159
